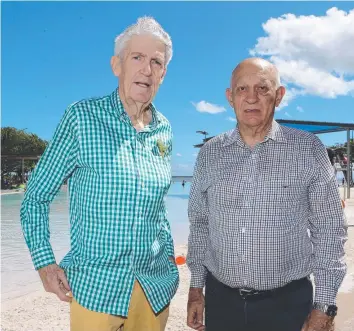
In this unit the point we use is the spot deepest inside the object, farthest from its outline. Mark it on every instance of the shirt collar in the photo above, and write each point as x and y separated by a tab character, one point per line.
118	107
275	133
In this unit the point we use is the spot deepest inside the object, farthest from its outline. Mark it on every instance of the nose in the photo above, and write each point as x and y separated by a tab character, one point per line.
252	96
146	70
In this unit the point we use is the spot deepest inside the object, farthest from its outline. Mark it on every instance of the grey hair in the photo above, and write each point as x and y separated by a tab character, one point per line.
277	77
144	25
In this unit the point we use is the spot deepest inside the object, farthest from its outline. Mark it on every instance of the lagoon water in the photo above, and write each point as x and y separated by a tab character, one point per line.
18	276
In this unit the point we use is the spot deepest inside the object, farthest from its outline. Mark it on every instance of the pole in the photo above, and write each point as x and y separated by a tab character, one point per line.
348	165
23	170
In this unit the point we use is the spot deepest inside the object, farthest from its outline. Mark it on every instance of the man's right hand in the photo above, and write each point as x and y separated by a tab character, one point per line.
195	309
54	281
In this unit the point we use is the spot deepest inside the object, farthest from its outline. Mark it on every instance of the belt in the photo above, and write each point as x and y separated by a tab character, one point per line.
251	293
248	293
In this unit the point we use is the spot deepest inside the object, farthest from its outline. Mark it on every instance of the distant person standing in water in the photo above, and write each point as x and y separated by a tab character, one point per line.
256	191
115	152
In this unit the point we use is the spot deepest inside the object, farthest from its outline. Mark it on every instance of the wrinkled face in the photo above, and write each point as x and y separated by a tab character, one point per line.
254	95
141	70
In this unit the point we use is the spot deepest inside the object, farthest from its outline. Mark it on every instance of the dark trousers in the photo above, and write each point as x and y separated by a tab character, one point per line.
284	309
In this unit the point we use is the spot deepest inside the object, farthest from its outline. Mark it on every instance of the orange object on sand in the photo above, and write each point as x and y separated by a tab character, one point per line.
180	260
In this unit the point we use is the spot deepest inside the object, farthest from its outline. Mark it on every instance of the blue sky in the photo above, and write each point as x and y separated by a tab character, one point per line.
55	53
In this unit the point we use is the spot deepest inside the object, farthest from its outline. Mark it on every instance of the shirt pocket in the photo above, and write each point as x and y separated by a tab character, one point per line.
159	171
224	193
281	193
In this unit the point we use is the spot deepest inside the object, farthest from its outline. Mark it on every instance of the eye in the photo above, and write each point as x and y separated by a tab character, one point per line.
137	57
157	62
263	88
241	88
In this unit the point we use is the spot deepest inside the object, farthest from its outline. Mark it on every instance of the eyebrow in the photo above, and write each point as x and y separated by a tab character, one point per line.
137	53
158	58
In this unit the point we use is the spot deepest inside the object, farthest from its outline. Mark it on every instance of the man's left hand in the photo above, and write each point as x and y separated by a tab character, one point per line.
318	321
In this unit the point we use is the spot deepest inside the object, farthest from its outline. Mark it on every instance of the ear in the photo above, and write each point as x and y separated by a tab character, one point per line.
116	65
279	95
228	94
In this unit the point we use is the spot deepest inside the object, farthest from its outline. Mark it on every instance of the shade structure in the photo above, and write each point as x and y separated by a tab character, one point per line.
317	127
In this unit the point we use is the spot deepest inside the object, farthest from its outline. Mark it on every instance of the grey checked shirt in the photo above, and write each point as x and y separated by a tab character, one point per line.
250	211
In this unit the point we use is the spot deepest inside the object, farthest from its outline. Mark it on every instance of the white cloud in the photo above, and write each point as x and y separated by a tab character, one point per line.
314	54
195	154
179	154
300	109
290	94
287	114
232	119
206	107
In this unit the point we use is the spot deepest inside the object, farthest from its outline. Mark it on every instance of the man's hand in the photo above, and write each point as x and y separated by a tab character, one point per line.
54	281
195	309
318	321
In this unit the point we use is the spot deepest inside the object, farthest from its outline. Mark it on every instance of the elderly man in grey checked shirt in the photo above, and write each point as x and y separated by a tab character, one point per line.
256	192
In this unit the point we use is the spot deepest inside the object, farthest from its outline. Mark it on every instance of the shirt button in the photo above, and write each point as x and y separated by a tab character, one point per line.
243	230
243	258
254	156
142	184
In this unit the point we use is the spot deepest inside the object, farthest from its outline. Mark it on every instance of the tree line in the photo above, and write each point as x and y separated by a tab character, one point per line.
18	143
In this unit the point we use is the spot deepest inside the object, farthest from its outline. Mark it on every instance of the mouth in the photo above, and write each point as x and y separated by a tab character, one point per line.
251	111
143	84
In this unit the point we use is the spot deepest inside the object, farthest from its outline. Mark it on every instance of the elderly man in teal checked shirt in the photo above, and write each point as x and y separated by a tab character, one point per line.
115	152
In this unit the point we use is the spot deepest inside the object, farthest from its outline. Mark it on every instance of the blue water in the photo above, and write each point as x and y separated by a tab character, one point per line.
18	276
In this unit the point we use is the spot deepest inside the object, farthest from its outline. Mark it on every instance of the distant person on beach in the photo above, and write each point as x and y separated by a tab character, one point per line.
115	152
256	191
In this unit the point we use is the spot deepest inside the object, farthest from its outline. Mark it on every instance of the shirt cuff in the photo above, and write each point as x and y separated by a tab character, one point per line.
42	256
198	277
325	295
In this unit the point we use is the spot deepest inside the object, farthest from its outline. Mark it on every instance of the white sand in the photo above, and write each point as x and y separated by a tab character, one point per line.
42	311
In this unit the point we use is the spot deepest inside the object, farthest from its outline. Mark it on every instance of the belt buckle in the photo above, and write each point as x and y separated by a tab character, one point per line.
244	293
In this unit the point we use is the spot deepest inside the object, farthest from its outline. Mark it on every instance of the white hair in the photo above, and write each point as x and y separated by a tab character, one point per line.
144	25
277	77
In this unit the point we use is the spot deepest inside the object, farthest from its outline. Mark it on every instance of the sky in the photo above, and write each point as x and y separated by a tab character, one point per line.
56	53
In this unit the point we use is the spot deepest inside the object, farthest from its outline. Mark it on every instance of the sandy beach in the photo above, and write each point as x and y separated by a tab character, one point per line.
39	310
42	311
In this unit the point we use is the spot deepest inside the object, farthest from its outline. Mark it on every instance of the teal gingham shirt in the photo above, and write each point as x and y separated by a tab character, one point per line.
117	181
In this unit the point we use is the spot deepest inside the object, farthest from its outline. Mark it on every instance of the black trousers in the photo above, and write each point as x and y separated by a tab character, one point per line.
282	310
